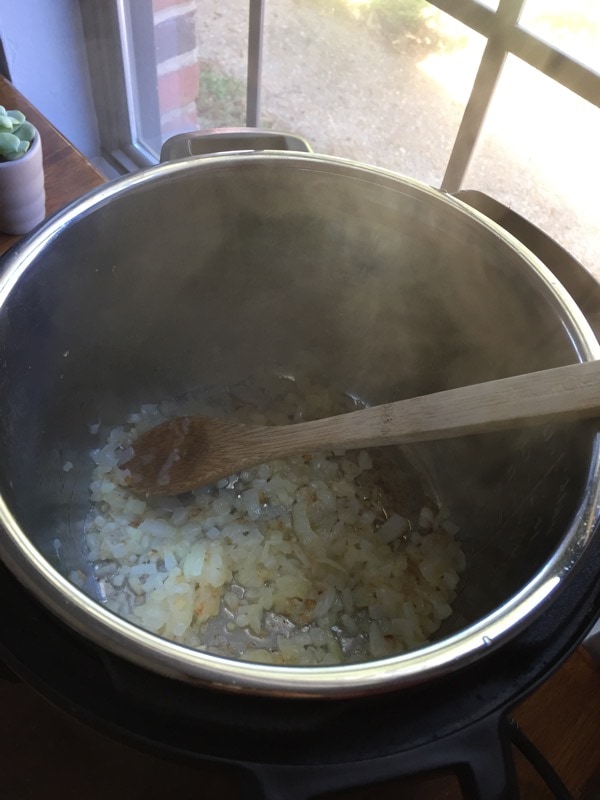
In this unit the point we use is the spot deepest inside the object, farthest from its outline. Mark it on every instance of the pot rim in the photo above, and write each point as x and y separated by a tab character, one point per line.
106	629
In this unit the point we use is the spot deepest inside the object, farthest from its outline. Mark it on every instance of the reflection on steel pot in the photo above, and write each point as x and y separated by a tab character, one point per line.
207	271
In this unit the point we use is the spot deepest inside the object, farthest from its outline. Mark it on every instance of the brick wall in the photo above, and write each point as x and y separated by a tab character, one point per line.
177	64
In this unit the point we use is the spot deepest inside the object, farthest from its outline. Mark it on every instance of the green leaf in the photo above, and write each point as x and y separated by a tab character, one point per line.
9	143
21	150
16	134
26	132
6	123
12	147
16	115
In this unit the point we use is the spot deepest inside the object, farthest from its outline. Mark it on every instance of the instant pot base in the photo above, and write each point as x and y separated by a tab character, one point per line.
297	749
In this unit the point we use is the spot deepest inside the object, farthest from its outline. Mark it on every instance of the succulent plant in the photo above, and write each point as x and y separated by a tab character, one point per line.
16	134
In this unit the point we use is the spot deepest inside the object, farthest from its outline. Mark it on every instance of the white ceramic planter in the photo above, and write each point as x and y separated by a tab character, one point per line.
22	192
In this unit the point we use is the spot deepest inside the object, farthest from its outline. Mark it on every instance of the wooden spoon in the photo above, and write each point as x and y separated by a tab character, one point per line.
187	452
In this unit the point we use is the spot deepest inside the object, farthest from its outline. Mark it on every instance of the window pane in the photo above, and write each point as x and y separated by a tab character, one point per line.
200	59
571	25
379	82
538	154
222	46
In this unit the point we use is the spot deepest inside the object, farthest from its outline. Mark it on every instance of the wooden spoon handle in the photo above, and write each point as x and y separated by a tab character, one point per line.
560	394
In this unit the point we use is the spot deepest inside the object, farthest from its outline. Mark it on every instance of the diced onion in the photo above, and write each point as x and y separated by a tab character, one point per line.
290	562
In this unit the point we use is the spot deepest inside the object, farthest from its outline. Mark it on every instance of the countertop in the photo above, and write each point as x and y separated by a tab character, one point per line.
44	752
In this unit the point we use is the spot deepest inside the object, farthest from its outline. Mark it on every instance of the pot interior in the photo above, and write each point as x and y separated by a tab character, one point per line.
197	277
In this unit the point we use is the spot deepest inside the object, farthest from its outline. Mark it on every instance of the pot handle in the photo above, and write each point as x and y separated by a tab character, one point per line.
480	756
222	140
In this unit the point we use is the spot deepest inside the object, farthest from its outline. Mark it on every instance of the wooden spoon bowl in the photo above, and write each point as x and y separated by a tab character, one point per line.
187	452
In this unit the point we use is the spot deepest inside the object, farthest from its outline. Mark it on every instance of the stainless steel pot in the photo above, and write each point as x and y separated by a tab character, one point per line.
204	271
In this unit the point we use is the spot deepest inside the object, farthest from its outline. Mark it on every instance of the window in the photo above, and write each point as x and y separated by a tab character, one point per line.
357	85
571	25
538	154
497	95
